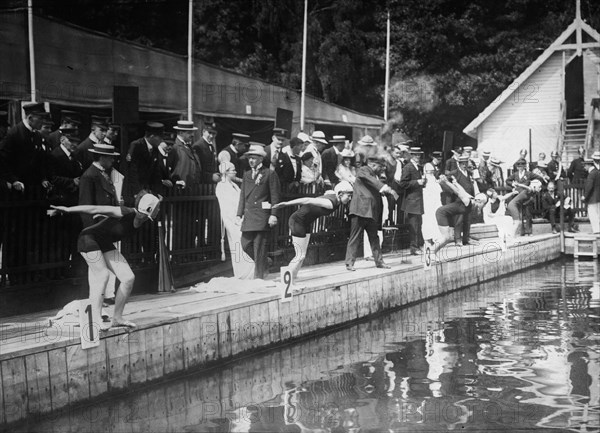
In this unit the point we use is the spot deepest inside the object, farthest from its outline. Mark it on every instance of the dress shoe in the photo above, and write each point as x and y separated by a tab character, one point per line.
350	268
384	266
554	231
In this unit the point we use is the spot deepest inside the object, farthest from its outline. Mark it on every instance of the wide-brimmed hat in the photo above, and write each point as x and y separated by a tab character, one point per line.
104	149
367	140
148	205
256	149
495	161
347	153
596	155
486	153
185	125
304	137
319	136
401	147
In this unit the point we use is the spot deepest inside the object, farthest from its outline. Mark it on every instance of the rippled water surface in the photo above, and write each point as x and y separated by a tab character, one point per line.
517	354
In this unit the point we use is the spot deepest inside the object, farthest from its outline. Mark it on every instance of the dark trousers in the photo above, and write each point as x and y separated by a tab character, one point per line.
415	221
462	226
255	245
554	216
357	226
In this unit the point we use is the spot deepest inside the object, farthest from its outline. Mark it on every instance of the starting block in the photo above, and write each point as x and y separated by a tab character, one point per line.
585	245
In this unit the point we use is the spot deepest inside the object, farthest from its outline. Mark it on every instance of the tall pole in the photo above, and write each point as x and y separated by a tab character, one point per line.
304	38
190	60
31	50
387	70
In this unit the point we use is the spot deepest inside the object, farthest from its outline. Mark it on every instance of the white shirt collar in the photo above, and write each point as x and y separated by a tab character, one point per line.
148	144
27	125
98	166
94	138
64	149
233	148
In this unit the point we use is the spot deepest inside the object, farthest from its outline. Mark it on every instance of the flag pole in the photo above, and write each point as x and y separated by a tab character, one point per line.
387	70
190	60
304	38
31	50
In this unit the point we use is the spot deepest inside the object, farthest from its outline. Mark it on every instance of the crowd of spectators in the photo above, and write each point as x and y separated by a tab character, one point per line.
391	186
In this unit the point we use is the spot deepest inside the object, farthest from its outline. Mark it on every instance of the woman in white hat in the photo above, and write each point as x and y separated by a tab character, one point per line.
96	245
345	170
312	208
228	196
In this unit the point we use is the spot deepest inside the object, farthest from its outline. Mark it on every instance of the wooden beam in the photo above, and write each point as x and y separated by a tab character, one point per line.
576	47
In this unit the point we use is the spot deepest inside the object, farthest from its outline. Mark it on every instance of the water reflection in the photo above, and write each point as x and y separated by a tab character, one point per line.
518	353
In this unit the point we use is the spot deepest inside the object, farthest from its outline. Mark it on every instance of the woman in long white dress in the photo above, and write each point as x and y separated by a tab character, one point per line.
228	196
431	202
494	212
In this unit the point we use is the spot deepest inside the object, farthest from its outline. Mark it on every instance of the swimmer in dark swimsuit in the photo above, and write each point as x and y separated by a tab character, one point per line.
96	245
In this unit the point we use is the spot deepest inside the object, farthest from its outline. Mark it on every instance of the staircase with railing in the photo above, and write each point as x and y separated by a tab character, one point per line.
576	135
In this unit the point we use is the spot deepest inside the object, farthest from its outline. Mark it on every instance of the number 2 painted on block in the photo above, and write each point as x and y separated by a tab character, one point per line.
288	282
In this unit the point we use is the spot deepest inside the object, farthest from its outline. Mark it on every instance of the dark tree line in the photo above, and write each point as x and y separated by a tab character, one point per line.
449	59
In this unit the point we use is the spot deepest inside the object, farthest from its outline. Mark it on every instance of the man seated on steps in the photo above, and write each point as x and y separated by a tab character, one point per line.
551	206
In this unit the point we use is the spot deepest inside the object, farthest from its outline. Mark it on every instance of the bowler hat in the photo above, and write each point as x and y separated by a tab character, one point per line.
185	125
104	149
380	159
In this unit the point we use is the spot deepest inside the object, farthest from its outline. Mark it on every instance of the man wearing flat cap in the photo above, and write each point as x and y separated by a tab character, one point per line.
99	128
22	155
274	149
206	149
144	171
260	192
365	211
69	121
234	153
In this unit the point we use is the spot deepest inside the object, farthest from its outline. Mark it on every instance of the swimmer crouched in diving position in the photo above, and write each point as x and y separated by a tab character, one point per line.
445	215
96	245
300	222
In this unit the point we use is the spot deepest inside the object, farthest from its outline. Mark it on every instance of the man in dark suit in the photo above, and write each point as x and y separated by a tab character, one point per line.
365	211
331	158
273	150
69	121
555	167
519	179
260	191
99	128
462	223
95	186
205	148
234	153
289	166
412	184
451	164
577	170
144	169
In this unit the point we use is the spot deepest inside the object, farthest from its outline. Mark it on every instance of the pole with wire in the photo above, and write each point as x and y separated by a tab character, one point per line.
304	39
190	59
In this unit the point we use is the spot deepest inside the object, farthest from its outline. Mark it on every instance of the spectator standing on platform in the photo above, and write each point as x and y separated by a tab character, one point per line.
228	196
317	146
184	161
112	133
301	221
144	171
518	208
592	193
551	207
577	172
99	128
364	149
96	245
289	165
432	200
486	180
412	183
436	160
497	173
462	228
365	211
522	156
234	153
165	170
556	171
69	121
346	170
273	150
205	149
259	193
331	158
452	163
309	170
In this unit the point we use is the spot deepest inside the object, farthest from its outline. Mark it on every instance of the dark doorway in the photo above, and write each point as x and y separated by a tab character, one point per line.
574	88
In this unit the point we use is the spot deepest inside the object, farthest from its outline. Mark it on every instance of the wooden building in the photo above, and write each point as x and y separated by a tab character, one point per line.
550	105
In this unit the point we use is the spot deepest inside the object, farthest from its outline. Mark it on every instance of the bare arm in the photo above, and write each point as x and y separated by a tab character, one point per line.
111	211
315	201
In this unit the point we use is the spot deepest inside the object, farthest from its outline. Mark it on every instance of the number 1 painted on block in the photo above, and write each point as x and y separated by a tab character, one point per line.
288	281
88	332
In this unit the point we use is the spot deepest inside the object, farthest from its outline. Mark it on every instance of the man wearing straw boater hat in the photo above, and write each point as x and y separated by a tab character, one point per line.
99	128
183	160
592	193
260	191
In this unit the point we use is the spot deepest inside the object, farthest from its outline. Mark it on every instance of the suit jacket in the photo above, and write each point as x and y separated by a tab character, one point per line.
592	187
577	171
144	170
553	170
413	192
465	181
252	197
525	179
451	165
330	161
54	139
185	163
86	158
207	155
62	173
285	168
366	199
22	156
95	189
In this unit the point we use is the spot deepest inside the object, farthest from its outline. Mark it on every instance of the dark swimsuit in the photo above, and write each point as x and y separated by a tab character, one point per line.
102	235
301	221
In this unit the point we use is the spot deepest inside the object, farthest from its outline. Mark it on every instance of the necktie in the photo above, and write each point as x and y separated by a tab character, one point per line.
254	173
398	173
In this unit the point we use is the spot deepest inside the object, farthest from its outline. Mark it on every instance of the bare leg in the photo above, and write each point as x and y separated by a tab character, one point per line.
447	236
98	275
301	247
118	264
